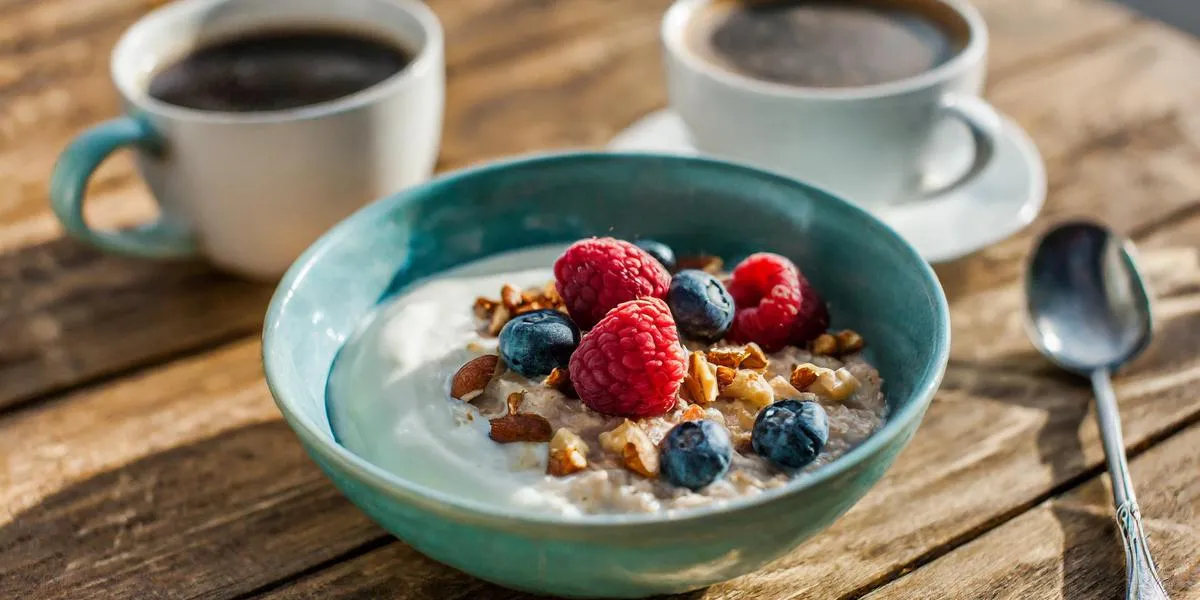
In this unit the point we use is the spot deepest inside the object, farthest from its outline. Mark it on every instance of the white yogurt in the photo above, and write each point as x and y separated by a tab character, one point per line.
388	399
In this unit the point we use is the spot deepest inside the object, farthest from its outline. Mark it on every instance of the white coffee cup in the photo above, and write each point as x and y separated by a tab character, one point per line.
250	190
868	144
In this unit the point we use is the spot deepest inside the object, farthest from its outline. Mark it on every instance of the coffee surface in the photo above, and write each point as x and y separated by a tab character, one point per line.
822	43
277	70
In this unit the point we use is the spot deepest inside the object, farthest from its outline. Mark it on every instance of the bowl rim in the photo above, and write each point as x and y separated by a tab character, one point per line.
463	509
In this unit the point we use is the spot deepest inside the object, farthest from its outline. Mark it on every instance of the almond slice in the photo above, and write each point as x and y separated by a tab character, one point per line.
472	378
725	376
836	385
568	453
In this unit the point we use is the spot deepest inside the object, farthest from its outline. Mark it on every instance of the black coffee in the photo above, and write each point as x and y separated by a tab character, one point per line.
825	43
277	70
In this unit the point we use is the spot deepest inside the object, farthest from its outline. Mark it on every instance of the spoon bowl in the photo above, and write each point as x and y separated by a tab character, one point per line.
1088	305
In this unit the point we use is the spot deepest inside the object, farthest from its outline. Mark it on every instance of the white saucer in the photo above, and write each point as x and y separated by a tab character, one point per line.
1006	197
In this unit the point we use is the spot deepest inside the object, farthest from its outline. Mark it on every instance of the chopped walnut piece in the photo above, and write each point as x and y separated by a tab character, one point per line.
783	389
725	376
499	318
527	308
750	386
629	441
700	384
510	296
837	385
568	453
520	427
710	264
755	359
471	379
560	379
804	375
848	341
693	413
825	344
728	357
484	307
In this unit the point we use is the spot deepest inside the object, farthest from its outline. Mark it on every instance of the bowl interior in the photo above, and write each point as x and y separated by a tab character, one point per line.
874	282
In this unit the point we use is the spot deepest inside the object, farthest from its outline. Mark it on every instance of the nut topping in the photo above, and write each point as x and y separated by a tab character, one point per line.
500	317
804	375
522	427
728	357
704	262
700	384
484	308
560	379
837	385
693	413
510	296
750	387
514	402
755	358
783	389
568	453
824	344
725	376
629	441
472	378
848	341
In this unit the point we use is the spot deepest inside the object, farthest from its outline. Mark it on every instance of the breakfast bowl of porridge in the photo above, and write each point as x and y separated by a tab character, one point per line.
606	375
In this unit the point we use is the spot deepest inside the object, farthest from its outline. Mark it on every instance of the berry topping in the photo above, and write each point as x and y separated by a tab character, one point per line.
594	275
534	343
790	433
630	364
702	307
695	454
776	305
660	251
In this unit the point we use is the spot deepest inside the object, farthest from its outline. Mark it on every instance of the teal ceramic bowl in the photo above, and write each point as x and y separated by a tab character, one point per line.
875	283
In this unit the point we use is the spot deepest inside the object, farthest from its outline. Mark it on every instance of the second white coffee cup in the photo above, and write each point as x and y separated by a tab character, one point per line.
867	143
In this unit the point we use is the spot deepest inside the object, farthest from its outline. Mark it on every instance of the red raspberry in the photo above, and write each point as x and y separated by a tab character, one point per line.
776	305
630	364
595	275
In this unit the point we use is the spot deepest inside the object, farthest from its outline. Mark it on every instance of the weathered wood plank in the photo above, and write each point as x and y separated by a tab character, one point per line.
555	87
1069	547
182	483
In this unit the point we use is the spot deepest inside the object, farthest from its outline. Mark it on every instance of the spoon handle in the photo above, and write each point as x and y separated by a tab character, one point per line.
1141	577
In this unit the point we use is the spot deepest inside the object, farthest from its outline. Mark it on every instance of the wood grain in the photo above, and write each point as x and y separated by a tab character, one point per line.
1069	548
580	72
76	462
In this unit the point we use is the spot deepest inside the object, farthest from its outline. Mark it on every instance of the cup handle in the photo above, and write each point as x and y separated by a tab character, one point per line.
984	124
68	184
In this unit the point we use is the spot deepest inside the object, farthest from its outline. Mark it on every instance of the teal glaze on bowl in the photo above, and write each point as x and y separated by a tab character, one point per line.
874	281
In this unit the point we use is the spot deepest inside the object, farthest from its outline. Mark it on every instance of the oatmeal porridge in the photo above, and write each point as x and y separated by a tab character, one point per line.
572	390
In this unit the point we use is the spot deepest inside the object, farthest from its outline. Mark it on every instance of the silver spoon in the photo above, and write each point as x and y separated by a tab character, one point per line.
1089	313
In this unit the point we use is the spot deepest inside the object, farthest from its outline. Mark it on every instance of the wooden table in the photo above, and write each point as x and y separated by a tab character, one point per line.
143	457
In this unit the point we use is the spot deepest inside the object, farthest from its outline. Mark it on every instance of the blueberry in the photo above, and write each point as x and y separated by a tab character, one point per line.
790	433
660	251
702	307
695	454
534	343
